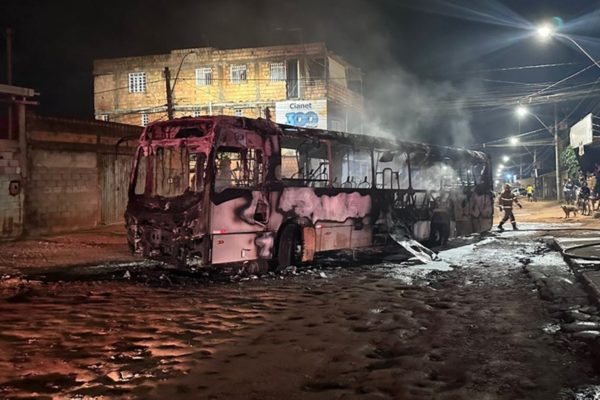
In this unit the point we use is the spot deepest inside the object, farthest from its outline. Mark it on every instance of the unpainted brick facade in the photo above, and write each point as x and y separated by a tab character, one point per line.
321	75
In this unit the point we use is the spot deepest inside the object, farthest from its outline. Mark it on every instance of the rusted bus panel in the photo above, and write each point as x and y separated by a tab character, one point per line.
309	236
335	237
351	233
362	237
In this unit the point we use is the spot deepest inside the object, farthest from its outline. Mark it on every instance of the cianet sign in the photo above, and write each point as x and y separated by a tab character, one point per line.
302	113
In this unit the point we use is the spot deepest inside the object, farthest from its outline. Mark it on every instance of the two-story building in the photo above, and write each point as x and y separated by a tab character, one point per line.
302	85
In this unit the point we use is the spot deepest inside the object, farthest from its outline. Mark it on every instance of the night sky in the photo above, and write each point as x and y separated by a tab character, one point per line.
430	66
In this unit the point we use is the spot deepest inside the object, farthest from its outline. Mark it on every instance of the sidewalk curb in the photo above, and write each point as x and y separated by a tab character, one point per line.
581	272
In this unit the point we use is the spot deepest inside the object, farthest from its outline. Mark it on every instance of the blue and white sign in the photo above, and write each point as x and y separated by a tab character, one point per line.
302	113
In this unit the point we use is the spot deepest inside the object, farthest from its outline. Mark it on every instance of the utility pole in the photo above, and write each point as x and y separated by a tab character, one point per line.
9	37
9	78
169	93
556	155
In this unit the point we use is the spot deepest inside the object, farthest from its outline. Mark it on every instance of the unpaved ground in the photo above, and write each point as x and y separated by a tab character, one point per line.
470	327
546	212
106	244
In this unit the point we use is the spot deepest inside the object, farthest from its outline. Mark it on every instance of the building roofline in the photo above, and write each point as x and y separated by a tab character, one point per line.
16	91
308	48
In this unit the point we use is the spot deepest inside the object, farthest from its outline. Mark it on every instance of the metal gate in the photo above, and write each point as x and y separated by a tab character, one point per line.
115	172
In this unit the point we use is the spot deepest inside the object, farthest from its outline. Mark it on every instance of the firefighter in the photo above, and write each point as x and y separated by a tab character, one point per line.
505	203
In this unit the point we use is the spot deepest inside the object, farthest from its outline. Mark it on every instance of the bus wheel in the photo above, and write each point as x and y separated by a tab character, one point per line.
289	247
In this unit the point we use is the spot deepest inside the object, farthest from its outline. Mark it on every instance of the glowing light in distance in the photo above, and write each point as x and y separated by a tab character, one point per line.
505	158
513	140
544	32
500	166
521	111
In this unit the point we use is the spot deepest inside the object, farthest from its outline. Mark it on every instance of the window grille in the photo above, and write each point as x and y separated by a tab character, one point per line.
137	82
204	76
238	73
277	72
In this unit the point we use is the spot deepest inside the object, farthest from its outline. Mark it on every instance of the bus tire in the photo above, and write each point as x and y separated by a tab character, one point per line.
287	250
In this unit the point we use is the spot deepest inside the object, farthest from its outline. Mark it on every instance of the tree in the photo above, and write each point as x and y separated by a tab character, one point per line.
569	159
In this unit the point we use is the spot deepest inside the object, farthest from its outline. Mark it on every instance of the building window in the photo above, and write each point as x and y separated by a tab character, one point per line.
238	112
203	76
277	71
145	119
196	113
238	73
137	82
103	117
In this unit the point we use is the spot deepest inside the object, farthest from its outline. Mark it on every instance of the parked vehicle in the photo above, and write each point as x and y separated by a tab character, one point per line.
519	192
228	190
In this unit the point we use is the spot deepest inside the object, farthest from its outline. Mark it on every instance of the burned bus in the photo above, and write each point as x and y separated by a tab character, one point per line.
237	191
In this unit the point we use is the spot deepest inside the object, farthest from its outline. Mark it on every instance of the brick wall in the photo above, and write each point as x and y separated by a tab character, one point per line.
11	206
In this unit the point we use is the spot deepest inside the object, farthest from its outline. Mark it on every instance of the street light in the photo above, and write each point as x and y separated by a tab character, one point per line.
523	111
514	140
544	31
547	31
505	158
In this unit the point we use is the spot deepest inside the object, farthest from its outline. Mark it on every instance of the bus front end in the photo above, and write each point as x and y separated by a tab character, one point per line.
165	216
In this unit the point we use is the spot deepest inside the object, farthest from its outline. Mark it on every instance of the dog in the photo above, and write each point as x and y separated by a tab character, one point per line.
568	210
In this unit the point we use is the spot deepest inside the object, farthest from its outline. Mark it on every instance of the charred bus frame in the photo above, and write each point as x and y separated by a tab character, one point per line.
230	190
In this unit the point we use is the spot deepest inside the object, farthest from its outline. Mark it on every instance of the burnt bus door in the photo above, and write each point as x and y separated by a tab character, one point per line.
239	207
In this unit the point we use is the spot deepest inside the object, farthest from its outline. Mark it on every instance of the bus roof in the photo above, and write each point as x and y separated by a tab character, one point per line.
209	124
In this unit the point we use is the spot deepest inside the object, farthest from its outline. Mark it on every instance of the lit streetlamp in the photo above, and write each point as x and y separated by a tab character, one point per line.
505	158
546	31
523	111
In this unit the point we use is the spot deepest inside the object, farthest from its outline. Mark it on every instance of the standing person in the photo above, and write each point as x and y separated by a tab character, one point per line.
596	191
583	199
568	191
505	203
529	192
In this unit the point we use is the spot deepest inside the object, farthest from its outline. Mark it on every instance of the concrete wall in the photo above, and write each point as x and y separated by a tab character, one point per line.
64	189
11	206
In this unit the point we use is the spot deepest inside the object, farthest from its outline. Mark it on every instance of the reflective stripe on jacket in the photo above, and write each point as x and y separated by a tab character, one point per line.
506	199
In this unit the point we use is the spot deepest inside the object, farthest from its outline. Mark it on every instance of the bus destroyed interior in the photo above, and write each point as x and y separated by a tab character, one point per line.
255	194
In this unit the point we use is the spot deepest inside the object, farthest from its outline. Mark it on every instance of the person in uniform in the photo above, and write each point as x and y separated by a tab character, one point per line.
505	203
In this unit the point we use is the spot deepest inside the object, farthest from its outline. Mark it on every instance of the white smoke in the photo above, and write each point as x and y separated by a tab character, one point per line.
400	105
